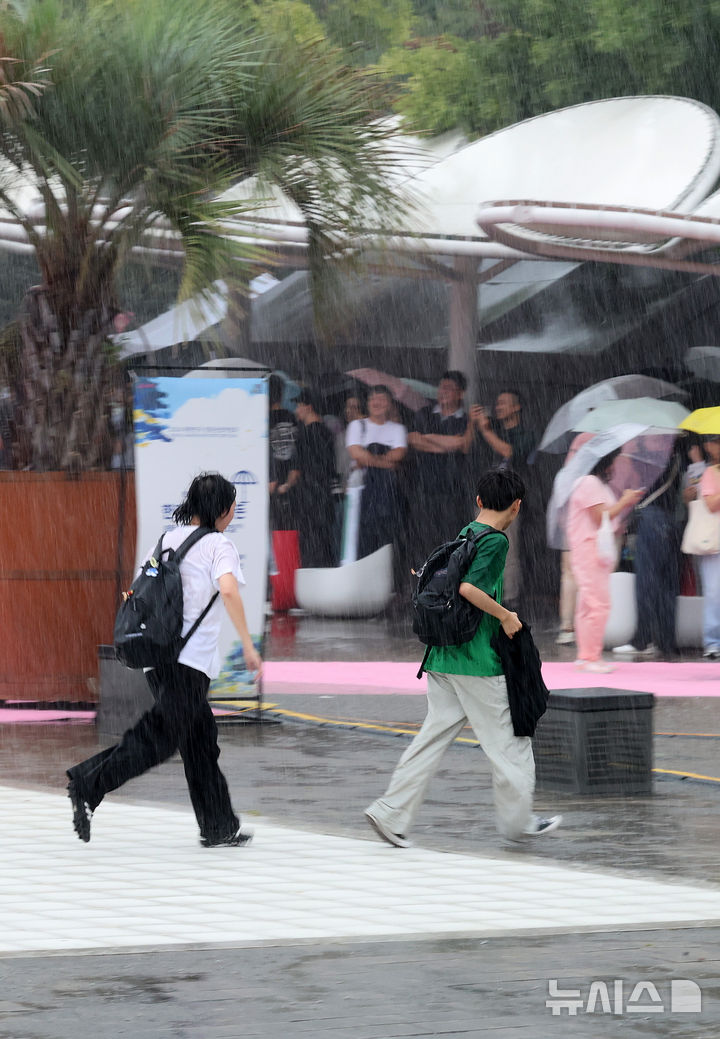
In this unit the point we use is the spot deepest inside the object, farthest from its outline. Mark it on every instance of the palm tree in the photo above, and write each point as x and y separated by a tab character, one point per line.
128	121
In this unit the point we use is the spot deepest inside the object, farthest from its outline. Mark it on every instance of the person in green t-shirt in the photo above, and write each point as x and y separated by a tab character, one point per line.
466	684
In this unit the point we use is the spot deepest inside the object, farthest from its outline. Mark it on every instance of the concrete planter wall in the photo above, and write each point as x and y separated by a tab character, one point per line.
64	556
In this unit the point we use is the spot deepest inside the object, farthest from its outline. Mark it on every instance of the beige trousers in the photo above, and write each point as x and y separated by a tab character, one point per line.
568	593
454	700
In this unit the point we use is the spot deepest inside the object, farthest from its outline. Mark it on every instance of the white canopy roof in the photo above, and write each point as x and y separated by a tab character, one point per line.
660	155
624	179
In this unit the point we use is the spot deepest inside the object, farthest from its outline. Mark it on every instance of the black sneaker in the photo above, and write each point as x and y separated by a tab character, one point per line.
233	840
82	812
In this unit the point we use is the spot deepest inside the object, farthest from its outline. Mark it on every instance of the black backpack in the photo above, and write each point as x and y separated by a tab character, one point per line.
441	616
148	624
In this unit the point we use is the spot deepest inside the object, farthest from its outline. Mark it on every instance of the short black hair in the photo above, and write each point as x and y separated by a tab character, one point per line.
209	497
357	395
455	376
310	397
380	388
499	487
513	393
601	469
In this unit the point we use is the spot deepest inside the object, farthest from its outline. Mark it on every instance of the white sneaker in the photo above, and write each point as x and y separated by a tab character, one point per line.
598	667
384	831
565	638
545	826
629	650
580	663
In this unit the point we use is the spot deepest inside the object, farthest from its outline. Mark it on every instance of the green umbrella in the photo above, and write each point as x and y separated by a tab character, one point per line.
660	415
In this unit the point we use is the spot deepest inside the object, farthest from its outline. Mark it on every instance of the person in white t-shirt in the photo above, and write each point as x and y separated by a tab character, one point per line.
377	446
181	719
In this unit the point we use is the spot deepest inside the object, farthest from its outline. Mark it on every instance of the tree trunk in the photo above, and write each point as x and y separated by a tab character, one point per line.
65	382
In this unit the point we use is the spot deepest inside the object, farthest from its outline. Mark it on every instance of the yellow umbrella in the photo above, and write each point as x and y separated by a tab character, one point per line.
705	421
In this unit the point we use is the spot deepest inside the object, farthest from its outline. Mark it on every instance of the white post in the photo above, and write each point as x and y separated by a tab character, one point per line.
464	321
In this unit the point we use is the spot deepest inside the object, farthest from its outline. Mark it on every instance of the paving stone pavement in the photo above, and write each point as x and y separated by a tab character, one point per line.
298	782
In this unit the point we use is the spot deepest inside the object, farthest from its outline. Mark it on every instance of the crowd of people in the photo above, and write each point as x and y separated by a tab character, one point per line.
382	474
357	478
647	523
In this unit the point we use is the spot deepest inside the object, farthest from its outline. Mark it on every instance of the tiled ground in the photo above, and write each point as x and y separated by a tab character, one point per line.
144	881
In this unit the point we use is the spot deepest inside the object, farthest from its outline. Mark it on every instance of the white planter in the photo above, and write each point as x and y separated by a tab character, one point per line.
689	621
623	615
622	621
359	589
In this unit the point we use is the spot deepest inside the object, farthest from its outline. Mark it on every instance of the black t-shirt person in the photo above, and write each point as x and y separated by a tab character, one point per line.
439	482
282	435
314	507
440	475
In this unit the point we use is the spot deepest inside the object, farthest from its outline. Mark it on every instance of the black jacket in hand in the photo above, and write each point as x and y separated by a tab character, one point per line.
527	693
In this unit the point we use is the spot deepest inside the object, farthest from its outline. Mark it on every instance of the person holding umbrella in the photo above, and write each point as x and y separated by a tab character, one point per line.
591	498
657	555
710	564
706	422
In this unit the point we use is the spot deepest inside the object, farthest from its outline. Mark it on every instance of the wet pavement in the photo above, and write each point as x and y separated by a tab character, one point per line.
316	777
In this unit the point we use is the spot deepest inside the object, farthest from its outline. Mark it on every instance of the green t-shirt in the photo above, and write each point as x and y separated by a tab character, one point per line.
477	657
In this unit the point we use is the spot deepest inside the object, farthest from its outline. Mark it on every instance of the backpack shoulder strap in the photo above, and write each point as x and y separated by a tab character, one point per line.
473	536
459	560
198	622
191	540
426	654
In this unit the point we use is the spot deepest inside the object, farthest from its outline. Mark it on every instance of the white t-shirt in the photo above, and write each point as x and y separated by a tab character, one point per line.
362	432
201	570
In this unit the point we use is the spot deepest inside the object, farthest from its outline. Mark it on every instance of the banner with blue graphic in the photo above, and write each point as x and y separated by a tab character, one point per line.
184	426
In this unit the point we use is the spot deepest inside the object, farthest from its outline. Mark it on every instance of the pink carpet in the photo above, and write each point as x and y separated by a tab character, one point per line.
695	678
30	715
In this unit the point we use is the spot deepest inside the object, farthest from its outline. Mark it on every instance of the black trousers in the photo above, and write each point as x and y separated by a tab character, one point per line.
180	720
657	578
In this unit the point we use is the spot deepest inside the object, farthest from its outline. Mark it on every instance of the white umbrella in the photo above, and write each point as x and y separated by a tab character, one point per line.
186	321
556	436
660	415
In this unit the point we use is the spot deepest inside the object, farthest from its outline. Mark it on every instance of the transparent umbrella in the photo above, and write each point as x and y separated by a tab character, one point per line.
644	457
558	434
660	415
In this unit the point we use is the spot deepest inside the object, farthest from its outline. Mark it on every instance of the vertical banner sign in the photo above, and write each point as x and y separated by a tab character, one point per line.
185	426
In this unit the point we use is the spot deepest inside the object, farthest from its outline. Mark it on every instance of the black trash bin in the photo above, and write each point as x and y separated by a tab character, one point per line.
124	694
595	741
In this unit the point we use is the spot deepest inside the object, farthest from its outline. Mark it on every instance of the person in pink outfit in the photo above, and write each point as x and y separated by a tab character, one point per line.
568	587
710	565
591	497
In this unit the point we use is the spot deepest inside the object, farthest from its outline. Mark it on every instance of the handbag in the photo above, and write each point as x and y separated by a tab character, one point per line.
606	544
702	533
